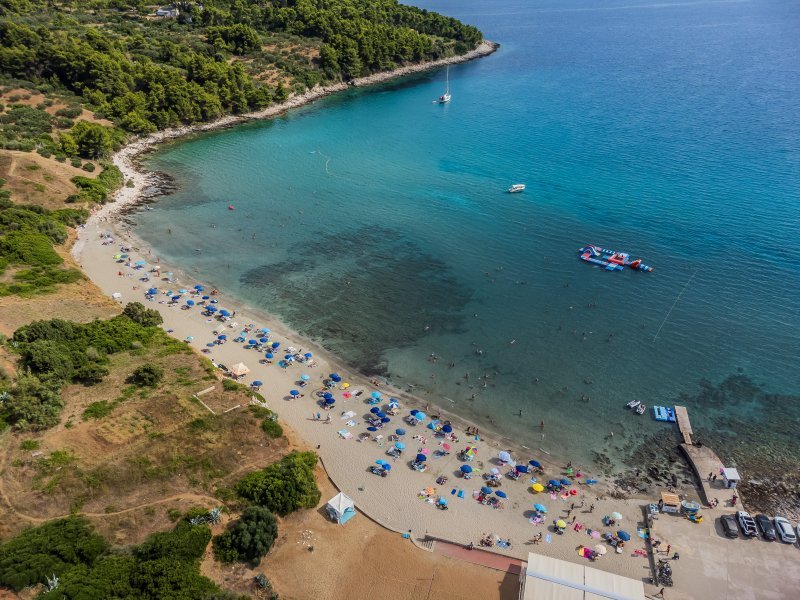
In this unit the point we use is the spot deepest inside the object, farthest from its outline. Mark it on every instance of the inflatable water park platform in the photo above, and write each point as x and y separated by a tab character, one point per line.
664	413
611	260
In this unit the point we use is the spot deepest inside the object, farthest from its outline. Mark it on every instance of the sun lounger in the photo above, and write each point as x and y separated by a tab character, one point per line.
344	434
351	423
348	415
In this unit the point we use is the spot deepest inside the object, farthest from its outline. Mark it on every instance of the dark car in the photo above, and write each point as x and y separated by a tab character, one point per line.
767	528
729	526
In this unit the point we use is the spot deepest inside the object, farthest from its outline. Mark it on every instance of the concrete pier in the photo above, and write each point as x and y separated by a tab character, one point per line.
704	462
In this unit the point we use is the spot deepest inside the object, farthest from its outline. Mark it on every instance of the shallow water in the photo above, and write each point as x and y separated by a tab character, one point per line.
376	221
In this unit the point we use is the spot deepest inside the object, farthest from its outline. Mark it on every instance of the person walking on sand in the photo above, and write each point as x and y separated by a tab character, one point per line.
591	508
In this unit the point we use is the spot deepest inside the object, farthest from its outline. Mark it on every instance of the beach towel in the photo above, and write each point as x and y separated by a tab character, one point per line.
639	552
552	495
548	538
351	423
348	415
453	492
460	493
344	434
642	533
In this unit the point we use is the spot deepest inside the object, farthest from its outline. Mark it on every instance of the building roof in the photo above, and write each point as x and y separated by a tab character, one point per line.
547	578
672	499
731	474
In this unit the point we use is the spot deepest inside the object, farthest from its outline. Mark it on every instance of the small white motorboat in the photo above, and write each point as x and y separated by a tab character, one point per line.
517	187
633	404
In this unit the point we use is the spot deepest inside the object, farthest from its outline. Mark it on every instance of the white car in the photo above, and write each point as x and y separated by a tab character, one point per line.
746	523
785	530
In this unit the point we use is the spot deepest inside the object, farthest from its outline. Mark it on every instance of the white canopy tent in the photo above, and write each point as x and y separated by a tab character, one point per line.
240	369
341	508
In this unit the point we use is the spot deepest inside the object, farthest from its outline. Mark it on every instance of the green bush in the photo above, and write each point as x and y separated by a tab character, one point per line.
98	410
272	428
285	486
52	548
250	538
88	167
148	375
69	111
147	317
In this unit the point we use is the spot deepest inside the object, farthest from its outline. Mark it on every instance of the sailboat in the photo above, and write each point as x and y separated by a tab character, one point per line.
445	98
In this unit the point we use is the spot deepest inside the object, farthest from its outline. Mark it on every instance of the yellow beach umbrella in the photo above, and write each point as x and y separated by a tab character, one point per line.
537	487
345	385
561	524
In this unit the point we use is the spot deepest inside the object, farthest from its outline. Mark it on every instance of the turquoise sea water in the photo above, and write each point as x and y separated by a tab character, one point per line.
376	222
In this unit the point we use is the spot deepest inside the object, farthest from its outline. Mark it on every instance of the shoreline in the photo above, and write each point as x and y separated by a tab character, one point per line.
126	158
389	502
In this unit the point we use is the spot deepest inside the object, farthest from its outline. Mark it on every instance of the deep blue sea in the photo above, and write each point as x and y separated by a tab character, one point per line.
377	222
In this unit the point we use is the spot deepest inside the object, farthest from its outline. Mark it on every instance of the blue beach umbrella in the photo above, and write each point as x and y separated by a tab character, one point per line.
443	501
305	377
521	469
308	355
374	410
263	340
294	393
500	494
380	414
414	412
540	507
400	431
336	377
288	357
152	291
225	313
555	482
252	342
211	309
190	303
535	463
380	461
385	419
327	396
257	383
222	336
206	298
447	428
486	490
276	344
140	263
214	301
264	330
421	416
376	395
624	536
269	355
400	446
330	401
182	291
210	344
372	429
199	288
176	297
466	469
566	482
421	458
387	467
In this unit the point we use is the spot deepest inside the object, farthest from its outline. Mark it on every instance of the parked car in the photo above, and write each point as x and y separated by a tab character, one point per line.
747	524
767	528
728	523
785	531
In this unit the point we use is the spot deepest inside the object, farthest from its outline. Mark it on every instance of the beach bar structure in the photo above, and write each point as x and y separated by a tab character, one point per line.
546	578
730	477
670	503
341	508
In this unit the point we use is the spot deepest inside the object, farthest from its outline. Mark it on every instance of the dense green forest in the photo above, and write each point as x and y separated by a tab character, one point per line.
220	56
